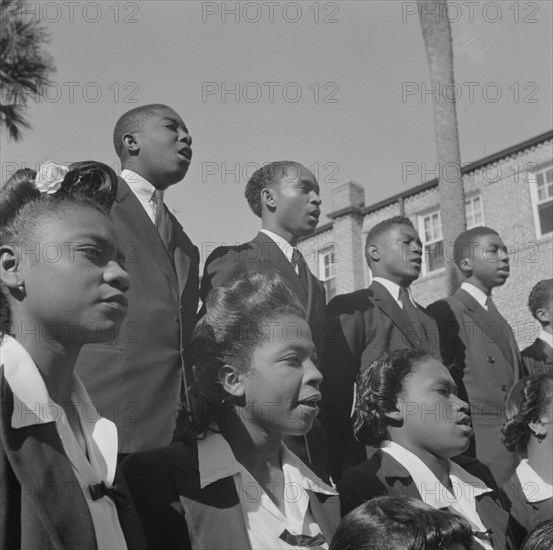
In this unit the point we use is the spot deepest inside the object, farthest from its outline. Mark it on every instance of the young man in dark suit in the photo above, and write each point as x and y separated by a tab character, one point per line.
137	380
538	358
478	344
285	195
363	324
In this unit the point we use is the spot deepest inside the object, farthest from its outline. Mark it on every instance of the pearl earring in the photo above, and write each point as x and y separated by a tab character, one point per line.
20	287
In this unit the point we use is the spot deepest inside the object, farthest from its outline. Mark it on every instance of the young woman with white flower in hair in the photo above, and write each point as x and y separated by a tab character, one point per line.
63	285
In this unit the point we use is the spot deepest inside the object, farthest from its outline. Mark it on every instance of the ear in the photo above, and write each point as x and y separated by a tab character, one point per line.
268	198
537	427
465	265
231	380
542	315
373	252
10	273
131	143
396	416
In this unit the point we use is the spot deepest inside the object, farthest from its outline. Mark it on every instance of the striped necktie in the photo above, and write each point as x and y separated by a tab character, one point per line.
163	221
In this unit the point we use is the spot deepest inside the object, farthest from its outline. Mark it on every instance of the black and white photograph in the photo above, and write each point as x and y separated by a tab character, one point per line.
276	275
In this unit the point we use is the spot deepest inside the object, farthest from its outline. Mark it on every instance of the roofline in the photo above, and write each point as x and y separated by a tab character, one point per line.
546	136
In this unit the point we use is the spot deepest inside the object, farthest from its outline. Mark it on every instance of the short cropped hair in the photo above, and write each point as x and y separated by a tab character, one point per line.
399	523
464	243
131	122
540	296
378	387
266	176
383	226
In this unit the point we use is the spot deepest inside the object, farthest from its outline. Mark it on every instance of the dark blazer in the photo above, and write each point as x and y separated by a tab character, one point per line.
229	262
359	327
538	358
177	514
262	253
485	363
42	505
524	515
136	380
383	475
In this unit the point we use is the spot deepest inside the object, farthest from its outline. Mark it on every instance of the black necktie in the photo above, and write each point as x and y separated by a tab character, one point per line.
299	260
413	326
163	221
117	492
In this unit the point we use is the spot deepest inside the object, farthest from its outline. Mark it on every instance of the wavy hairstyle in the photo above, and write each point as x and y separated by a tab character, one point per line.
527	401
377	390
398	523
238	318
24	209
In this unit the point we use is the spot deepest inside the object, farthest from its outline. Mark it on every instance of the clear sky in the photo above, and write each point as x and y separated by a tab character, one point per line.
338	86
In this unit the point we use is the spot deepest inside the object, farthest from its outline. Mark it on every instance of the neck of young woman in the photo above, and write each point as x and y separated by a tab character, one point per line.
55	361
539	458
256	449
438	466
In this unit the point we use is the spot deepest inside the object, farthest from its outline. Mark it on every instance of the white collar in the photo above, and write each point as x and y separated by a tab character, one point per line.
476	293
535	489
547	337
393	289
140	186
283	244
217	461
465	486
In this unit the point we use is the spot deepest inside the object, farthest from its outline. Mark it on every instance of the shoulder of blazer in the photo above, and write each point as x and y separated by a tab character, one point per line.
536	351
348	304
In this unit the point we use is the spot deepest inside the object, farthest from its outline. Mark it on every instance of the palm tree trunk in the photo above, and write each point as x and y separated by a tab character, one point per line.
436	31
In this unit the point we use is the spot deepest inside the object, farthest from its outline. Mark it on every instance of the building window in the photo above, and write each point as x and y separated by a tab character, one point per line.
327	272
473	212
541	189
430	227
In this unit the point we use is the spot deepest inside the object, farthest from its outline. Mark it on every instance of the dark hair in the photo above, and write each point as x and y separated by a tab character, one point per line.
23	207
131	122
236	321
540	537
528	400
382	227
399	523
266	176
464	243
377	389
540	295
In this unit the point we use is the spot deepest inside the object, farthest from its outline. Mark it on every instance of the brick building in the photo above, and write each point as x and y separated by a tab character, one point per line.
510	191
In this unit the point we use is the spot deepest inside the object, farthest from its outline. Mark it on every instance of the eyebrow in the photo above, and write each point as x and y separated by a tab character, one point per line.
446	382
174	121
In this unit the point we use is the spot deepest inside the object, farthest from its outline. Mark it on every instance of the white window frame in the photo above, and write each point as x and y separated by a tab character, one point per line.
533	182
470	203
323	254
422	233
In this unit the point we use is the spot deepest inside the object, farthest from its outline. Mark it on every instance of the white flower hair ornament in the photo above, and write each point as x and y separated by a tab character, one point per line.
50	176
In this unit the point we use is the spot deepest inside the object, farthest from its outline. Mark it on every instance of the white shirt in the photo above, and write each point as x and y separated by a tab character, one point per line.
264	521
465	488
32	405
283	244
143	190
547	337
393	289
535	489
476	293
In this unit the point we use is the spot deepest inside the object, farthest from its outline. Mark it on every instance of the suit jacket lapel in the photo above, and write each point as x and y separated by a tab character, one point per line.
181	259
326	512
129	210
46	476
479	315
389	307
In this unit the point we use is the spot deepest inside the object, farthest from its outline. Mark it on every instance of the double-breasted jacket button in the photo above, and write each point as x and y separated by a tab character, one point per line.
504	387
490	359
